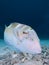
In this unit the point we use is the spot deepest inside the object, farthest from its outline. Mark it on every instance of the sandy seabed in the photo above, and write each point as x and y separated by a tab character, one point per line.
14	58
11	57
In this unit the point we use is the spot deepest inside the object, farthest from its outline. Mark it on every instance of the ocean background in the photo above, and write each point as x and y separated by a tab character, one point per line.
31	12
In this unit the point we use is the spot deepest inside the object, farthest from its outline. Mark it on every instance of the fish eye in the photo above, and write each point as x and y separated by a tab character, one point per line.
25	32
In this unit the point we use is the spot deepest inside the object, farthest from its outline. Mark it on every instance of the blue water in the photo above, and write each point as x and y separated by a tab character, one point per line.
4	45
45	42
31	12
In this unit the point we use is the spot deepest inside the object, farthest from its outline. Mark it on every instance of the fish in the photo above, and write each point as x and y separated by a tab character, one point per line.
22	37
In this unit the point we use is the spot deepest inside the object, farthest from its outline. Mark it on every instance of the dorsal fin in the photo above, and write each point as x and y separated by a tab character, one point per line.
5	26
